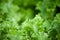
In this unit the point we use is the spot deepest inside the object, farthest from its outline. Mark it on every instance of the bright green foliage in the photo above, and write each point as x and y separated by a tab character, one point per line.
29	20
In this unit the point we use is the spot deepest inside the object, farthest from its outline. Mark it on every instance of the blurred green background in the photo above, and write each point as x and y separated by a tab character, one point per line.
29	19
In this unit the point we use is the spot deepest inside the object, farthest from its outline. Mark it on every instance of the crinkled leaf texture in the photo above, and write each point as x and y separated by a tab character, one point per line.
29	20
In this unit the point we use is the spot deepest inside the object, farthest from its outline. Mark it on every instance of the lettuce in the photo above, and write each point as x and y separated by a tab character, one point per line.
29	20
